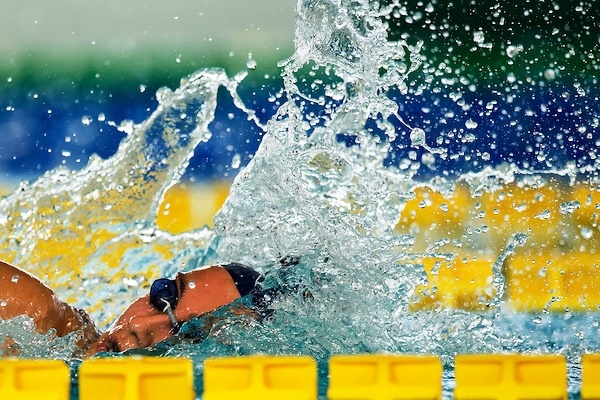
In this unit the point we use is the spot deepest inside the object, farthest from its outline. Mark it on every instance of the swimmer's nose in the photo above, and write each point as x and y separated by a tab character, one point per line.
150	329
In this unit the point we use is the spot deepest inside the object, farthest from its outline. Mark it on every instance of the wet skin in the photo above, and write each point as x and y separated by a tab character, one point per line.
23	294
140	325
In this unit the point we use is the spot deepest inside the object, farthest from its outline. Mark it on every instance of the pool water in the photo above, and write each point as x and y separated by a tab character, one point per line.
366	152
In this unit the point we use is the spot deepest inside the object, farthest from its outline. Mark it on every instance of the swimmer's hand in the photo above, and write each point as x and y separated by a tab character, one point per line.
141	325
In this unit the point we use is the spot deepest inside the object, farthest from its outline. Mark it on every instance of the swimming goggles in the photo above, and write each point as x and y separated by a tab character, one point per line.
164	296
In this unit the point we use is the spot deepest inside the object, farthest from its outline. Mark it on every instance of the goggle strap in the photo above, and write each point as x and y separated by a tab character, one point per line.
169	311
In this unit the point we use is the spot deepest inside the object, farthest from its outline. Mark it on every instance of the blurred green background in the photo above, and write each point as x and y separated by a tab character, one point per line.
124	44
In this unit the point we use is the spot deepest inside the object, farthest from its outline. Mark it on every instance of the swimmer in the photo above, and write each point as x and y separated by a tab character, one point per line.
148	320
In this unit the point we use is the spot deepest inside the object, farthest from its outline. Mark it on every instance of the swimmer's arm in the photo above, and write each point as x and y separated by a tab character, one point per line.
23	294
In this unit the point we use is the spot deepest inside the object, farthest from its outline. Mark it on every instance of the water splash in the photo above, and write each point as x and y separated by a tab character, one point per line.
321	186
308	193
18	338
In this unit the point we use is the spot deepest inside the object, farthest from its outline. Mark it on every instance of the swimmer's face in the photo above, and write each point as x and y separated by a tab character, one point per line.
142	325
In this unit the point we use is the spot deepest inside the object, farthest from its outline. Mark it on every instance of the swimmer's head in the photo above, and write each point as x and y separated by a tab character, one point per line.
164	293
155	317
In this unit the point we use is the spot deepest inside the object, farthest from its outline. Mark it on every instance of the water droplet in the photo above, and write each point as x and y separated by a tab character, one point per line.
478	37
470	124
469	138
3	303
436	268
586	232
251	63
543	215
192	284
537	320
236	161
520	207
512	51
130	282
569	207
15	278
86	120
428	159
550	74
